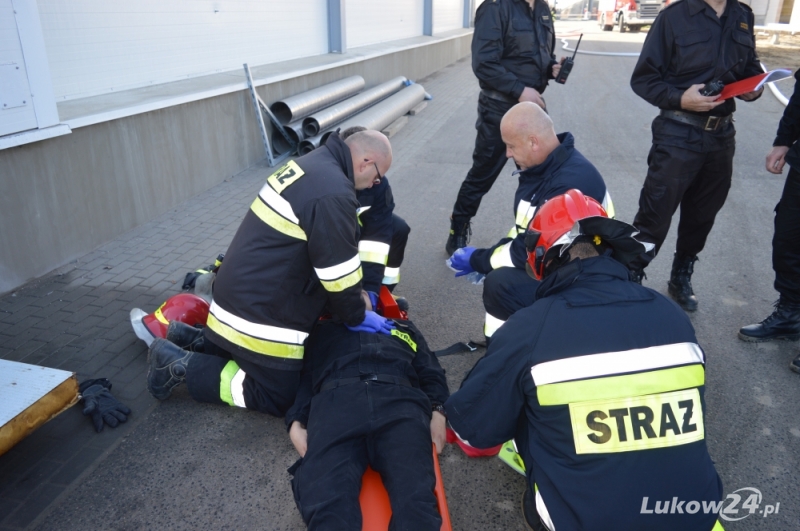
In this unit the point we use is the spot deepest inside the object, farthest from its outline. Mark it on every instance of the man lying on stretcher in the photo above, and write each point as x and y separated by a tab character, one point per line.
367	399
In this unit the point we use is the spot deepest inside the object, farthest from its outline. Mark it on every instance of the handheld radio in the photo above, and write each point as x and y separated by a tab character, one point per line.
566	64
714	88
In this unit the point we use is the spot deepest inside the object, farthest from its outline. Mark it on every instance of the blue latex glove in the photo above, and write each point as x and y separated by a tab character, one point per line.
459	262
373	299
373	324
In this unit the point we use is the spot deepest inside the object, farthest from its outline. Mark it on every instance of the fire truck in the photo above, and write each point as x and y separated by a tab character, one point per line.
628	14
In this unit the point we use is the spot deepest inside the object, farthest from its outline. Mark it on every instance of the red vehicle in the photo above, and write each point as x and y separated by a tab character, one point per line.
628	14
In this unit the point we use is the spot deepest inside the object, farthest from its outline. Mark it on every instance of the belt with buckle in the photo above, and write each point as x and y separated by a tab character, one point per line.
493	94
706	123
382	378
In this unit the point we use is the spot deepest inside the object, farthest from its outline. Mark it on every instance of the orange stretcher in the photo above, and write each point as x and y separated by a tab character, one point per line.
376	510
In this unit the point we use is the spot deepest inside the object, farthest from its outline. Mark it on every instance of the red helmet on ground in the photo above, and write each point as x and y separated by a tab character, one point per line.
184	307
549	233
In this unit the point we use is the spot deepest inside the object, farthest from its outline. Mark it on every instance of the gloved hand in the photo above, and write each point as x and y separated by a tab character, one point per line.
373	299
459	262
374	324
101	405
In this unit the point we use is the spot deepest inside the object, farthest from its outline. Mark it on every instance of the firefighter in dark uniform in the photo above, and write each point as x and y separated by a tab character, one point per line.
295	251
784	322
600	383
512	57
377	400
549	166
691	43
384	234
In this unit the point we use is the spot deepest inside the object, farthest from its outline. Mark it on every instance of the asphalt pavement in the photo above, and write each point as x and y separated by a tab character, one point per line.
185	465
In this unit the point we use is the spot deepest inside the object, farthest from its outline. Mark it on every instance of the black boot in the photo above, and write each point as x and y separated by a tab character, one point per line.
185	336
783	323
460	232
167	367
795	364
636	275
680	283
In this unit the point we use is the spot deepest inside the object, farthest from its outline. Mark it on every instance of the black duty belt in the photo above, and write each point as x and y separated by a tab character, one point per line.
382	378
498	96
706	123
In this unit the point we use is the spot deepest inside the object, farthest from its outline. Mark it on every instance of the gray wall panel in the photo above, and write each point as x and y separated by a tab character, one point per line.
64	197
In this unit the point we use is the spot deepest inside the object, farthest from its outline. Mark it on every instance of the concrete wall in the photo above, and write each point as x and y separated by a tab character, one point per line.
61	198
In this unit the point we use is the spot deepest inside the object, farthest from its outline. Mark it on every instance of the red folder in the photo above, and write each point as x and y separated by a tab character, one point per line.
752	83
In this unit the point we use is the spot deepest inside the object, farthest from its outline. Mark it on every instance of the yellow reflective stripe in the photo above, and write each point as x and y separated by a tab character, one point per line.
608	205
522	211
629	385
343	283
501	257
718	527
285	176
276	221
406	338
513	232
372	251
160	316
391	275
491	325
225	378
261	346
376	258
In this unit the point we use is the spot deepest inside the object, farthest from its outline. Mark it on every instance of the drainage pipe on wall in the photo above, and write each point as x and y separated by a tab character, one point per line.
301	105
376	117
327	117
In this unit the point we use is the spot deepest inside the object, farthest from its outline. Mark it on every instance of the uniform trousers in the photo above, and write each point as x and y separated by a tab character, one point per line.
697	181
397	250
219	377
385	426
786	241
505	291
488	158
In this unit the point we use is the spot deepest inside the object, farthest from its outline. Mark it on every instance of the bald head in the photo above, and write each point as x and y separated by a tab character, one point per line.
372	157
528	134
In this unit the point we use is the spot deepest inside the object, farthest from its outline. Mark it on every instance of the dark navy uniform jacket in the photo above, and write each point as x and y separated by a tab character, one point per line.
376	206
564	169
512	47
609	380
789	127
334	352
687	45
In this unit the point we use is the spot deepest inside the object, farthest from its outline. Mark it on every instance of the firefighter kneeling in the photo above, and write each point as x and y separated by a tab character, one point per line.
600	383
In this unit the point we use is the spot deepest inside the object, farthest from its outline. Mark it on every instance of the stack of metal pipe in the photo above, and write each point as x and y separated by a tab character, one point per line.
308	118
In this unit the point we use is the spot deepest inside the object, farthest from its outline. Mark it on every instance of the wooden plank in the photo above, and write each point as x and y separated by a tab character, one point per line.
30	396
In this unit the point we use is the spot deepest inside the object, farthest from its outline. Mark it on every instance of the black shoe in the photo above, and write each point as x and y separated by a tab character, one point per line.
783	323
460	233
795	364
529	511
680	283
185	336
402	303
167	367
636	275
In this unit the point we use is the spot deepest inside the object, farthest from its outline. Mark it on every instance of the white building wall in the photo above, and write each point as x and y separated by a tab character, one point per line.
447	15
16	108
373	21
101	46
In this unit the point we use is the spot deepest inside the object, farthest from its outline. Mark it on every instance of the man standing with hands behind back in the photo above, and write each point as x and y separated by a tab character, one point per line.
691	43
512	57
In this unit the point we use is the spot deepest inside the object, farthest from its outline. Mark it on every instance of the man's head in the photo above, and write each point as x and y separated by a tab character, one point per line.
372	157
571	226
528	134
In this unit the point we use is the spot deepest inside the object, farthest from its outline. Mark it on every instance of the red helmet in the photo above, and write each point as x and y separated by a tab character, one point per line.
184	307
548	234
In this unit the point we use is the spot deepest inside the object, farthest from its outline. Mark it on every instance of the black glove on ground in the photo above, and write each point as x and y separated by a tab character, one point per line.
101	405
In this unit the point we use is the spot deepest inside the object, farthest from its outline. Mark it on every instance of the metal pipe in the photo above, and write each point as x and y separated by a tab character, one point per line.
301	105
376	117
295	132
384	113
327	117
